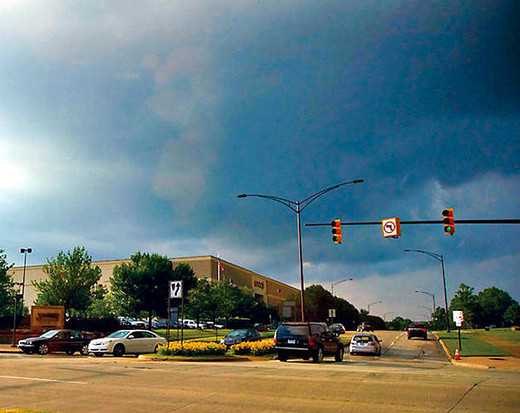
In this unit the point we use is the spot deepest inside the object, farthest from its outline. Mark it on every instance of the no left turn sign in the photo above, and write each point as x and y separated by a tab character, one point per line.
391	227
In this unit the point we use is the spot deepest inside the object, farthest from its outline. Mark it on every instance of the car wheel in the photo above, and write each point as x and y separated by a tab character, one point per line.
84	350
339	355
119	350
70	352
43	349
282	357
156	348
318	356
99	354
409	337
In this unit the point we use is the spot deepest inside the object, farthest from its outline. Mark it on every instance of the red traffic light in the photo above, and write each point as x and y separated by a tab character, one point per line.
336	231
449	221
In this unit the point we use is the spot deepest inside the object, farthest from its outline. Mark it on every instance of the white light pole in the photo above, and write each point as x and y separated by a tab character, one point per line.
375	302
24	251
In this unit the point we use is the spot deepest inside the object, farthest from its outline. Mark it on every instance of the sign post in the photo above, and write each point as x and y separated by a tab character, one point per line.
176	291
458	318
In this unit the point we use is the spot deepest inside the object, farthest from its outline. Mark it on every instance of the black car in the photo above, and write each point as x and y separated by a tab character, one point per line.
241	335
306	340
68	341
417	330
337	328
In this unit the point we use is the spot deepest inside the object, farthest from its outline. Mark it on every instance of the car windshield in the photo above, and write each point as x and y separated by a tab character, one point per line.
287	331
49	334
237	333
119	334
416	325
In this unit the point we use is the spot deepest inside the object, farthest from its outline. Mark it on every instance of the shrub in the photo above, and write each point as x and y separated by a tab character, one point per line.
192	348
255	348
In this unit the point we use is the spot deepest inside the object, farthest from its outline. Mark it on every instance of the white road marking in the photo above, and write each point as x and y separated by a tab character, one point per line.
40	379
392	343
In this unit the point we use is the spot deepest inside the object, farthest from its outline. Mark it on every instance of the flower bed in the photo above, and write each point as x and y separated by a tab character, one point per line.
192	348
255	348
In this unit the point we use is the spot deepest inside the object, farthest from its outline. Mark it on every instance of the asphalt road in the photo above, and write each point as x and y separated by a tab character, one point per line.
411	375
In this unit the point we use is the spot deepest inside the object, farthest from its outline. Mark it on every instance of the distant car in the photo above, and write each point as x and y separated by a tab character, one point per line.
365	327
159	324
65	340
211	324
241	335
365	344
417	330
261	327
127	342
337	328
306	340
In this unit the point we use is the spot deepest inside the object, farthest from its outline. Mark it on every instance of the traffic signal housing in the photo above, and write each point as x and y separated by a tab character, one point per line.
449	221
336	231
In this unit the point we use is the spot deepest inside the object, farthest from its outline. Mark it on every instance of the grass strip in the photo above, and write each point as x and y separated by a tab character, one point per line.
472	344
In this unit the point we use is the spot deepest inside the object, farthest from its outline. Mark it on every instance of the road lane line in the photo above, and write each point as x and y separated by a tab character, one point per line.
40	379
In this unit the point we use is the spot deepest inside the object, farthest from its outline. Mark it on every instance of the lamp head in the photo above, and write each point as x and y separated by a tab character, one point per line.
242	196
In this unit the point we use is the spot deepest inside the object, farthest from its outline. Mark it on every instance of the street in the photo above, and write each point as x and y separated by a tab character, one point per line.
410	375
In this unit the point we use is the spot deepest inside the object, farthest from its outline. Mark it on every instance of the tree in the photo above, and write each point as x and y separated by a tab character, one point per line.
142	284
226	298
200	300
512	314
71	281
7	292
494	303
464	300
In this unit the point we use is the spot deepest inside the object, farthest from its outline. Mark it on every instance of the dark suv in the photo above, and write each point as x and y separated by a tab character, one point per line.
306	340
417	330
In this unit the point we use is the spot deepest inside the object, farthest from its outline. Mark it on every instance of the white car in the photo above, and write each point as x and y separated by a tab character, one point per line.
127	342
365	343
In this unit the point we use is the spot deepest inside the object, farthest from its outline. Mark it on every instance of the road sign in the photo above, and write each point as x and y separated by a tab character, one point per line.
332	312
391	227
175	289
458	318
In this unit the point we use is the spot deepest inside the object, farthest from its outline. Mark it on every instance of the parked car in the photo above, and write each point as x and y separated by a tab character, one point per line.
337	328
261	327
417	330
306	340
211	324
365	344
365	327
65	340
159	324
240	335
127	342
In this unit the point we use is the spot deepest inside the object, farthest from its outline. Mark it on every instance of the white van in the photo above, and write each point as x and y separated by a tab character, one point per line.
189	324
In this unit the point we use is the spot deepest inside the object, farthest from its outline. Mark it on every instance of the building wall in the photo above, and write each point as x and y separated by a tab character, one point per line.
272	292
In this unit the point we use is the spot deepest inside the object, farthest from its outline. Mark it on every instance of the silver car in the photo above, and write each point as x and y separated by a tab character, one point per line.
365	344
127	342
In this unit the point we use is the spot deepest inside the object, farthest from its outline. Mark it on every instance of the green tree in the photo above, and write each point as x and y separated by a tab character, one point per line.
142	284
226	298
7	292
71	281
200	301
464	300
512	314
494	303
439	319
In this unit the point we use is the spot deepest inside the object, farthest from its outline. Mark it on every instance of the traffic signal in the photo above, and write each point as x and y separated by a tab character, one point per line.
449	221
336	231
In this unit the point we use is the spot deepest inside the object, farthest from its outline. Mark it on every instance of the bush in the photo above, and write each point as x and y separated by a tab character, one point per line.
255	348
192	348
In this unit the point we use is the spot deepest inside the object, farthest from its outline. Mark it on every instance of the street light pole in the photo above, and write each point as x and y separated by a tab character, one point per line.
298	207
375	302
24	251
338	282
440	258
431	295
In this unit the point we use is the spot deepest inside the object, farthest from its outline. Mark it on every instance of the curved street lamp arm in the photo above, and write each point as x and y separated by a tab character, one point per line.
424	292
431	254
288	203
305	203
340	281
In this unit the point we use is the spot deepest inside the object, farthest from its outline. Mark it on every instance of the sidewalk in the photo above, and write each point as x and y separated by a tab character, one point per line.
509	363
6	348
